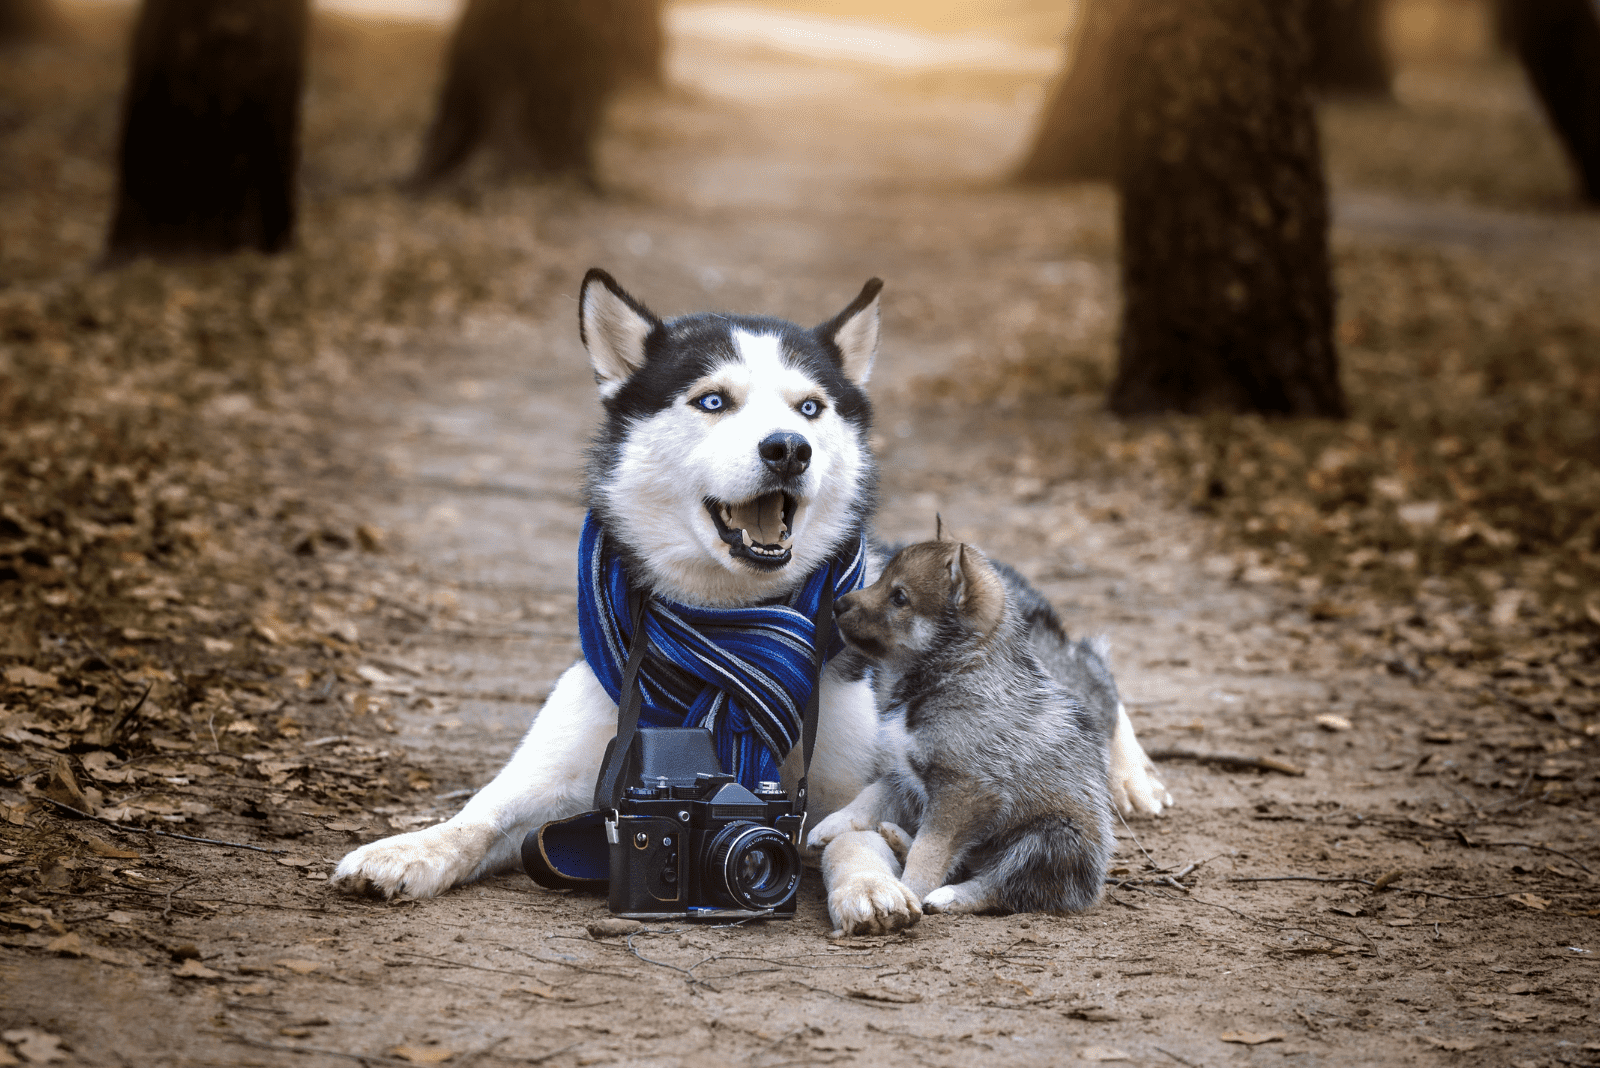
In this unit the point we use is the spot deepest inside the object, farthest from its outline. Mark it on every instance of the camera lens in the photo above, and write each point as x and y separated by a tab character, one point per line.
756	865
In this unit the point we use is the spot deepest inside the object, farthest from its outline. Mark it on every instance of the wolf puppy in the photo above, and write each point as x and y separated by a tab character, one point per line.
1002	770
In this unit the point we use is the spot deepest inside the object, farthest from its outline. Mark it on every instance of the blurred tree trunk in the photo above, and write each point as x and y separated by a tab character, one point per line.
1348	54
639	42
24	20
210	128
1558	42
1077	134
529	80
1227	299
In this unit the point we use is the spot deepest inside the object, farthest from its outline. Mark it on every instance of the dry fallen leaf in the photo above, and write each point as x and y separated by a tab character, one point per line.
193	969
1101	1053
1533	901
423	1054
299	967
36	1047
1252	1038
101	848
22	675
1453	1045
68	945
1330	722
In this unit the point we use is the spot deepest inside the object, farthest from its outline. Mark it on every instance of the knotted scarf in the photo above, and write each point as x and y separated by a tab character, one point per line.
745	674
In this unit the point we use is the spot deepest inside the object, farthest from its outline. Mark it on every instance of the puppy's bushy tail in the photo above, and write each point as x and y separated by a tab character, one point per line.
1054	863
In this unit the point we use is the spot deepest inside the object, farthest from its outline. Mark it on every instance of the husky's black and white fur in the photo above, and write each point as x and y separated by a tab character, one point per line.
999	765
731	462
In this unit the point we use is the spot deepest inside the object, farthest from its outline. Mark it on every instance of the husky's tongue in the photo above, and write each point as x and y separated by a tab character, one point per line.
761	519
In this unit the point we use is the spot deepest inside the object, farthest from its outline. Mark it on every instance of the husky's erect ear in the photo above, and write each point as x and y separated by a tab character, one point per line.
975	590
613	327
855	332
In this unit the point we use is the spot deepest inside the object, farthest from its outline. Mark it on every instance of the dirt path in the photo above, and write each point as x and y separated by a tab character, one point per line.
785	201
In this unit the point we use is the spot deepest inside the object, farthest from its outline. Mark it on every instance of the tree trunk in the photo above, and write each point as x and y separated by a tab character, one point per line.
1077	134
24	20
1558	42
529	80
210	128
1227	300
1348	55
639	42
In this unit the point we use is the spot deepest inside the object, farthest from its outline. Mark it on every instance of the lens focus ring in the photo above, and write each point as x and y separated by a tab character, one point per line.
754	864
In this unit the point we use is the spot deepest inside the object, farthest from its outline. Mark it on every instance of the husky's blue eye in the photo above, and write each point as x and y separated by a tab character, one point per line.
711	402
810	408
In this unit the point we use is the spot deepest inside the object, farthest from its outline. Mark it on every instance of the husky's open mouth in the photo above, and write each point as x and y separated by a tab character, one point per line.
758	531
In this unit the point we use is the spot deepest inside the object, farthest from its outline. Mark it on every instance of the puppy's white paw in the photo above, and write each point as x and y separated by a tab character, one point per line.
871	903
940	900
418	864
841	822
898	839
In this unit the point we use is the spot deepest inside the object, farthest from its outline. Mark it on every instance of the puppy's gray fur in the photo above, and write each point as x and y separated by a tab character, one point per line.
997	734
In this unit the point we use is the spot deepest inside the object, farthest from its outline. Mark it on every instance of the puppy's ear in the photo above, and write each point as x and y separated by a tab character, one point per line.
975	590
613	327
938	527
854	332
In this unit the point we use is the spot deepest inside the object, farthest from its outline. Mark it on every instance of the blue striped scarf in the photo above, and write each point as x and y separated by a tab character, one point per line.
743	673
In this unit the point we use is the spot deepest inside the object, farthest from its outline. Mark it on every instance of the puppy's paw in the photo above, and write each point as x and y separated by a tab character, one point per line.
944	899
898	839
841	822
867	903
1135	788
418	864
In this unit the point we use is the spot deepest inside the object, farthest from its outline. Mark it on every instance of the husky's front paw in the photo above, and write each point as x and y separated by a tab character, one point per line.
864	895
418	864
841	822
1135	788
871	902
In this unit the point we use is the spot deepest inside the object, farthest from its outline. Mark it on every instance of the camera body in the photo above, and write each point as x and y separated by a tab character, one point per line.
688	842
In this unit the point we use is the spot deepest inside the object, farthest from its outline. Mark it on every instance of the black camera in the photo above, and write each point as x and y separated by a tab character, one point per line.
687	841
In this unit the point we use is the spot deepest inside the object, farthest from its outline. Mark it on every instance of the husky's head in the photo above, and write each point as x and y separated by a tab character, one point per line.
733	458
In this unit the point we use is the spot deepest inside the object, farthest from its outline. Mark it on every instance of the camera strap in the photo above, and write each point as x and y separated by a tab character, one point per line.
608	788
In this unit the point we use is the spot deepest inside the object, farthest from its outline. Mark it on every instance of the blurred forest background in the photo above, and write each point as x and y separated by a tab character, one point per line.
217	218
1263	333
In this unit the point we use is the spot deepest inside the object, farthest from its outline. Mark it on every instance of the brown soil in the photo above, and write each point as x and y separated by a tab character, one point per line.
1411	878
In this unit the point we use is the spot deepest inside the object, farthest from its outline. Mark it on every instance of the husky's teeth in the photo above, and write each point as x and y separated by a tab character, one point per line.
745	534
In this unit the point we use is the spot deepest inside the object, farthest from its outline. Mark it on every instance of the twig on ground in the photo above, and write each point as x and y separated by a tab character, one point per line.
364	1058
463	964
1174	1056
125	829
1234	761
1542	849
181	886
1386	886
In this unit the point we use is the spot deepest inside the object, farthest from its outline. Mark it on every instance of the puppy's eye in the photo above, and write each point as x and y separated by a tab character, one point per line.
810	408
710	402
898	598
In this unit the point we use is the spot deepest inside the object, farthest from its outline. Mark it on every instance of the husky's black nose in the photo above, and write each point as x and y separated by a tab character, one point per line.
785	453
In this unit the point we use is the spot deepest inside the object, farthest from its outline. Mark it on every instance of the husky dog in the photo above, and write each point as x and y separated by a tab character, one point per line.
1002	769
730	466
